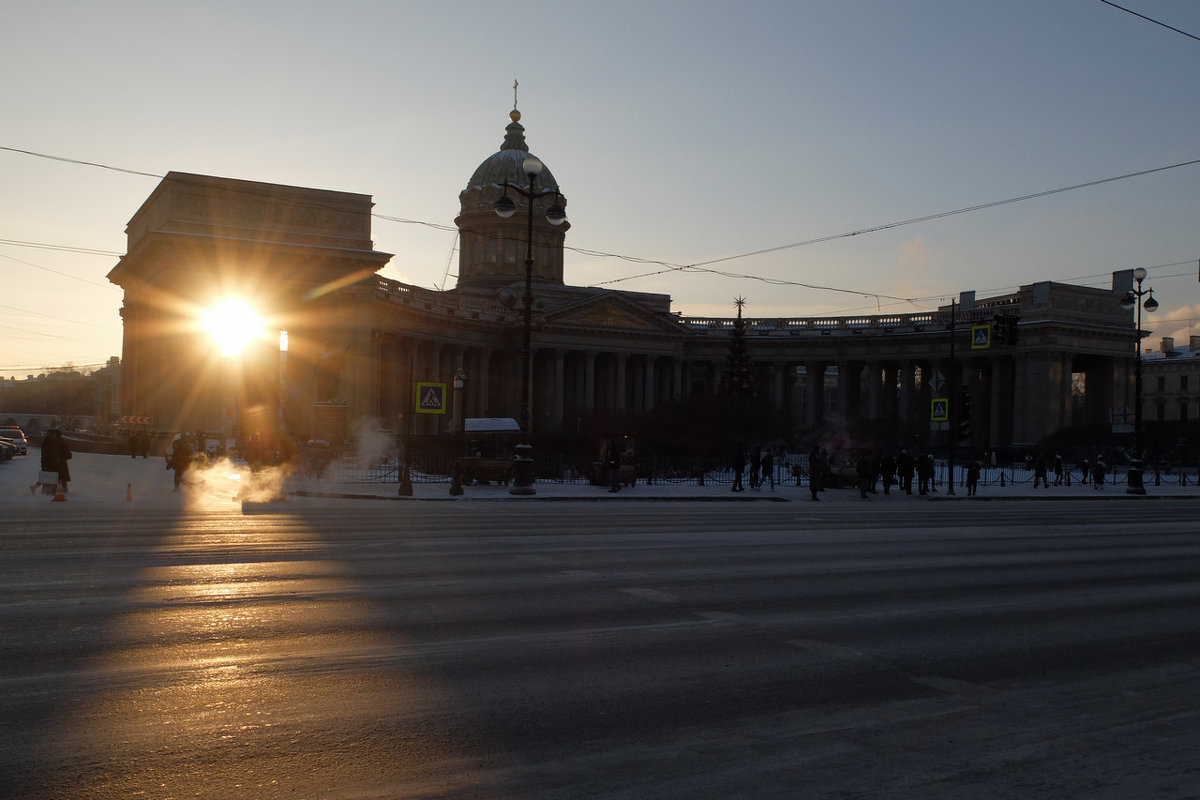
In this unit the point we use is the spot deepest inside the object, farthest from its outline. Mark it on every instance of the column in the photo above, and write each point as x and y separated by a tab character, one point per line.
648	384
557	390
619	380
589	382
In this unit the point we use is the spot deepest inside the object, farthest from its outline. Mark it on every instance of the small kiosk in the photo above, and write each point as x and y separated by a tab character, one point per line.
489	451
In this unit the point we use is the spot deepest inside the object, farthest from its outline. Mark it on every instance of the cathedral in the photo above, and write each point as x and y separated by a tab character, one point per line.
341	347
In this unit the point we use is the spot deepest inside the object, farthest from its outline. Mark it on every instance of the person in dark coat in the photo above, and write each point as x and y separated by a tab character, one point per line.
738	464
904	468
974	468
887	472
768	468
55	455
614	468
755	467
180	459
866	475
816	472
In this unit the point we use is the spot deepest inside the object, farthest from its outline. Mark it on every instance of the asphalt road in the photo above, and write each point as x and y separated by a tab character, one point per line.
583	650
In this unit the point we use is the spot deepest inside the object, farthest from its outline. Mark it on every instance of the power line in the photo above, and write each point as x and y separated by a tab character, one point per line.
701	266
56	272
59	247
1149	19
77	161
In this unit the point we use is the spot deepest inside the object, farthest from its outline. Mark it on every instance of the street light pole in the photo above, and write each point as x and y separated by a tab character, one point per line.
505	208
1134	478
460	378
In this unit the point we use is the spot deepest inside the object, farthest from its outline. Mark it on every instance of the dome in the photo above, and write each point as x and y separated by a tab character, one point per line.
504	166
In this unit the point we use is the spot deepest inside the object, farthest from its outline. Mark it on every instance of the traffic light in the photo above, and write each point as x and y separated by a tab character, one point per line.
964	429
1004	329
964	407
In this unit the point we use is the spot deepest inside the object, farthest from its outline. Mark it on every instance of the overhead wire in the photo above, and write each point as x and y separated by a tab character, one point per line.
668	267
1150	19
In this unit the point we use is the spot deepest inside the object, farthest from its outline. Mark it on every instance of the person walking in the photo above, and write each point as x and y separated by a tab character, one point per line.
768	468
1058	470
179	459
816	472
55	455
973	470
614	468
755	467
1098	471
904	468
866	475
887	471
924	469
1039	471
738	464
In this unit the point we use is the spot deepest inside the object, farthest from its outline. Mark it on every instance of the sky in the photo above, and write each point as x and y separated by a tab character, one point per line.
733	147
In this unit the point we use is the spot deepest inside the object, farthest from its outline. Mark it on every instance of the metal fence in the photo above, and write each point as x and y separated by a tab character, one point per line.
792	470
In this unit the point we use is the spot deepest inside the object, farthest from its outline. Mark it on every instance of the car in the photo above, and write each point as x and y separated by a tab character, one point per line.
17	436
8	449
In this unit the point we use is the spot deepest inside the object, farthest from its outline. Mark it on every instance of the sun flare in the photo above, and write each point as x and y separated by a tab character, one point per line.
233	325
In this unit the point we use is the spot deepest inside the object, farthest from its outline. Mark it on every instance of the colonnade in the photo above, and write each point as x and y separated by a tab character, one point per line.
1017	397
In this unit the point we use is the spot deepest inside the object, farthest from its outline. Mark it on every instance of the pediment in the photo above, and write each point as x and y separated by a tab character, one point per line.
610	311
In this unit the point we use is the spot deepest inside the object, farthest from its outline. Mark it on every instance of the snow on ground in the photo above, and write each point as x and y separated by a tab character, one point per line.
98	479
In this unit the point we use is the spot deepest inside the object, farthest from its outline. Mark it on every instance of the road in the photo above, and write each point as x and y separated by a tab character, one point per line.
350	649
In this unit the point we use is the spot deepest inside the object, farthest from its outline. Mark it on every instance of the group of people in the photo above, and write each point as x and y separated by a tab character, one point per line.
1092	473
872	470
896	471
762	467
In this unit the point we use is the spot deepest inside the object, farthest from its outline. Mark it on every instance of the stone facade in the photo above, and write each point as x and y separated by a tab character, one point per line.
601	358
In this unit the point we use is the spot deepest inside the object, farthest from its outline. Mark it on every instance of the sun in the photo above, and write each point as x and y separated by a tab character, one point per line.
233	325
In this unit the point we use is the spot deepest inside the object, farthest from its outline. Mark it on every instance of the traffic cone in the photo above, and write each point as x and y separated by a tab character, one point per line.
60	494
128	492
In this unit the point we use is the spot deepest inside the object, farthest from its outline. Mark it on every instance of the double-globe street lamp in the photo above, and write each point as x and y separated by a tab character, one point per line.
555	215
1134	484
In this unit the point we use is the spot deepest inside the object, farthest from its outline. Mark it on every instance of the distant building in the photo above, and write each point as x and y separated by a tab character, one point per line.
1171	382
602	359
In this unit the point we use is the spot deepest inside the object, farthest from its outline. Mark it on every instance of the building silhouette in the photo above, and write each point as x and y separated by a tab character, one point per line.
358	343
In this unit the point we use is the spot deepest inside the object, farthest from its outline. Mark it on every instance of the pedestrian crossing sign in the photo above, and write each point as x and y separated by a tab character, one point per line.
940	411
431	398
981	336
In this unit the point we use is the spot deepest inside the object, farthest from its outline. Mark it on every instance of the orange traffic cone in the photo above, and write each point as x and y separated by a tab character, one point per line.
60	494
128	492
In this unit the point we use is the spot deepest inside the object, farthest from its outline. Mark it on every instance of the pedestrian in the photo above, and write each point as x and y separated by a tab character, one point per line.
768	467
55	455
924	469
179	459
738	463
1098	472
614	468
973	470
1039	471
755	467
816	472
1058	470
887	471
1086	473
866	475
904	468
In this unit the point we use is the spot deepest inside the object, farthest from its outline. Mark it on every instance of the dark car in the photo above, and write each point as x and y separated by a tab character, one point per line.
17	437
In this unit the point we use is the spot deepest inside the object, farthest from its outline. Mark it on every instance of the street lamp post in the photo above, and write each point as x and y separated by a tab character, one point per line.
1134	483
505	208
456	488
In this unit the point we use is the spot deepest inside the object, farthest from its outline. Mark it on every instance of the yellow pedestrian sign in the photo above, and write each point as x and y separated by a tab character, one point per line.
940	410
431	398
981	336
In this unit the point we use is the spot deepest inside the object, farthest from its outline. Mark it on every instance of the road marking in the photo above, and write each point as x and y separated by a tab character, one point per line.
653	595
